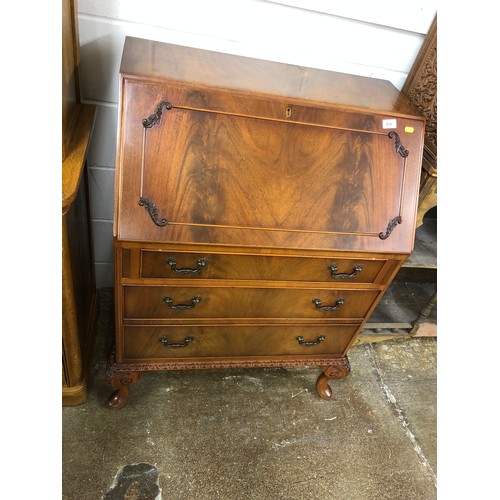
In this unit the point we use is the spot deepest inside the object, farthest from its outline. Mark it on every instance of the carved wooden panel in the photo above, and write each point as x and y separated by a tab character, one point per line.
421	89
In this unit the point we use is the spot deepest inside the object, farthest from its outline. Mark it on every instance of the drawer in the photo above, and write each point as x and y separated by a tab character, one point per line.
164	302
163	342
257	267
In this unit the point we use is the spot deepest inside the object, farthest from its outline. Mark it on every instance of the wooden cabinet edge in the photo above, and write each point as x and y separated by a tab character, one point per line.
73	165
78	351
75	395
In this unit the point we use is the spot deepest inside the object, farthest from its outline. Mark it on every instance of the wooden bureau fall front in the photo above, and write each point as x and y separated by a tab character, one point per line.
261	211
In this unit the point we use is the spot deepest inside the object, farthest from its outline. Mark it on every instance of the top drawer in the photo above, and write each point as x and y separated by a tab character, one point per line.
155	264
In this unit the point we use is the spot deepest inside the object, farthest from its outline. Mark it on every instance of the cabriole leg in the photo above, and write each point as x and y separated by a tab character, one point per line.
121	381
338	369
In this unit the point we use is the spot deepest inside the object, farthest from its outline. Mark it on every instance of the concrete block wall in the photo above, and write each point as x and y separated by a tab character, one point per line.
363	37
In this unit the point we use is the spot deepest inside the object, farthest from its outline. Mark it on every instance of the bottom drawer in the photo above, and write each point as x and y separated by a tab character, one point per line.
167	342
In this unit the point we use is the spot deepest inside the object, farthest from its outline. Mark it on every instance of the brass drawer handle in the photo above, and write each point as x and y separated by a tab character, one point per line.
344	276
319	307
194	301
200	264
301	341
186	342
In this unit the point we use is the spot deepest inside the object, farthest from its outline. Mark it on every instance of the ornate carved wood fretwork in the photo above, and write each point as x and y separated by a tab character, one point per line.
152	210
421	85
154	119
212	364
400	149
150	121
392	224
421	88
403	152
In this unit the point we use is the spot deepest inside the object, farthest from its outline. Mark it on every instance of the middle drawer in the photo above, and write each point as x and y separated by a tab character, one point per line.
177	303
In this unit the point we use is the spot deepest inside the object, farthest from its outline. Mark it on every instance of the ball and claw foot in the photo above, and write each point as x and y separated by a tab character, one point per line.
339	369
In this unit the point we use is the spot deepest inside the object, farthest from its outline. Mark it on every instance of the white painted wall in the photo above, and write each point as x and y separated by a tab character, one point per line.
365	37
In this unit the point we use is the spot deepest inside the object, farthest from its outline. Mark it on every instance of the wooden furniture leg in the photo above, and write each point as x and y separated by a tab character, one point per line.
119	378
121	381
426	310
338	369
419	325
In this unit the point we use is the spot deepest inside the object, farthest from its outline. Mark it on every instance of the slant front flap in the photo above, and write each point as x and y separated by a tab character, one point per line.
227	174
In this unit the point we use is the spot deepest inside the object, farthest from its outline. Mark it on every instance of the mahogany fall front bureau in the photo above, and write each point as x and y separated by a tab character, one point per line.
261	211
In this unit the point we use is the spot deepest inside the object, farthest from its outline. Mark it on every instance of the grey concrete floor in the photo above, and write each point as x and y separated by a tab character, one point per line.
258	433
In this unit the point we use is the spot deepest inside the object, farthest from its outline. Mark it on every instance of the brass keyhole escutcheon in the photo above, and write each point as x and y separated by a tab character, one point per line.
288	112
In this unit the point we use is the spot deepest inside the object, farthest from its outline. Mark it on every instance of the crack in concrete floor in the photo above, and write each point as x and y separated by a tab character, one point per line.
399	411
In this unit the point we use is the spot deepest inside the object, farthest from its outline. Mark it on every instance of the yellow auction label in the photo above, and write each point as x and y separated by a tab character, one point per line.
410	130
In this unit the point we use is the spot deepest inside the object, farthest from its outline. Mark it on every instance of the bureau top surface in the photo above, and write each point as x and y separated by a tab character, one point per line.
157	61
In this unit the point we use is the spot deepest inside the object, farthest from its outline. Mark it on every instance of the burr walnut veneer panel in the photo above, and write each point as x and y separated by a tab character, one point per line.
261	210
